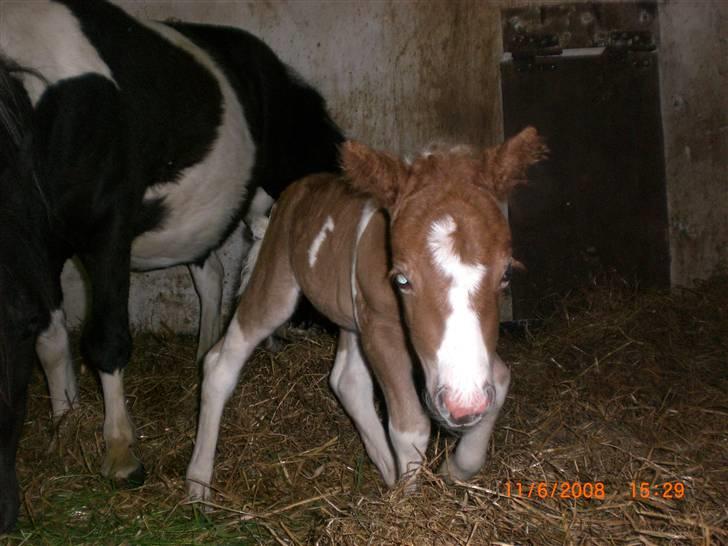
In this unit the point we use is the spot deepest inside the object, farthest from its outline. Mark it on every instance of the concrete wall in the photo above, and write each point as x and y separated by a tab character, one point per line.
396	74
694	86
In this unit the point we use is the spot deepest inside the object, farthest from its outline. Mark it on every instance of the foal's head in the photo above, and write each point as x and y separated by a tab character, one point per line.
451	258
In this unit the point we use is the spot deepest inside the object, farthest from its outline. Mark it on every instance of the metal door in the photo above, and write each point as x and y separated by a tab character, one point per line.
598	204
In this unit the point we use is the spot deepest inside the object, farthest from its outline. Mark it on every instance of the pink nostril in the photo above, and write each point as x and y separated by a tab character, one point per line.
476	405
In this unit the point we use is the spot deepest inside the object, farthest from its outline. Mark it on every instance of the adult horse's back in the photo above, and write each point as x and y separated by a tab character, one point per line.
134	145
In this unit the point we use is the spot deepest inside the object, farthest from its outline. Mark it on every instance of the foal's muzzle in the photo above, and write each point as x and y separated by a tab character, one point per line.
460	413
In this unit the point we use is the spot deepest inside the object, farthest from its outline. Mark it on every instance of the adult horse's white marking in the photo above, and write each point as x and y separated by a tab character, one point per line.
206	197
463	360
258	227
366	215
208	279
259	207
119	434
46	36
319	240
54	353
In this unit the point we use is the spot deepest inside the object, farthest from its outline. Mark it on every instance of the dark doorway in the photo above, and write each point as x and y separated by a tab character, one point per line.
598	204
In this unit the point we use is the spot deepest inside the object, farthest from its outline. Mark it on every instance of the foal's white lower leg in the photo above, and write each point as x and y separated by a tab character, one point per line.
221	370
119	435
471	451
54	353
351	381
410	446
409	425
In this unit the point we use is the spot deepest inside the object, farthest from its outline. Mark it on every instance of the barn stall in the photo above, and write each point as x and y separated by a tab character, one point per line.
615	427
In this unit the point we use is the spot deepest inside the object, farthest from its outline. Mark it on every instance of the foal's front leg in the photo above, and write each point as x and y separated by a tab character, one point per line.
351	381
409	426
472	449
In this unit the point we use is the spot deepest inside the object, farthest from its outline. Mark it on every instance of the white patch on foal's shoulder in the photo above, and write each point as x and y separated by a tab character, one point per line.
319	240
366	215
462	357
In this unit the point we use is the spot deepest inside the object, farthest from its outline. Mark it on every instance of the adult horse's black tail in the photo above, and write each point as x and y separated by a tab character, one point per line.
15	114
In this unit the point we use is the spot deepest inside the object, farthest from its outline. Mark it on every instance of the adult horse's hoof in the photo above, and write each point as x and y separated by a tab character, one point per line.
124	469
137	477
134	479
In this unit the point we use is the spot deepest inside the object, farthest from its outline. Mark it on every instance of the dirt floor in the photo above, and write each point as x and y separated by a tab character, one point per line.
614	432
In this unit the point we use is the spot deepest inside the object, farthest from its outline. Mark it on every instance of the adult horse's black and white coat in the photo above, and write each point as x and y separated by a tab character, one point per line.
134	145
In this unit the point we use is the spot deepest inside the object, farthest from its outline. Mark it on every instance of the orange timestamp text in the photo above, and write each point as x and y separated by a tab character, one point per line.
665	490
639	490
556	490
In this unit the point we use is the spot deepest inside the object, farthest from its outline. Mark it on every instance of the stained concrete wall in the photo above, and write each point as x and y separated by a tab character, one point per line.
396	74
694	87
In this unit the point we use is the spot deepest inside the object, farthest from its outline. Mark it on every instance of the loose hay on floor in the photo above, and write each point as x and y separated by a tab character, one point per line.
617	387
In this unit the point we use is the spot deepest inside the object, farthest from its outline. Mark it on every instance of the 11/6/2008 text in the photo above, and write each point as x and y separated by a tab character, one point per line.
592	490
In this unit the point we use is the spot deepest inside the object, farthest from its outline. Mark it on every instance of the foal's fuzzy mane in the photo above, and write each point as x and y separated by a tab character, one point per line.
443	163
439	148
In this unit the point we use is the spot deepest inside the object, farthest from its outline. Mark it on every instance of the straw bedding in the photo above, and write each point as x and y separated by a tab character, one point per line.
616	387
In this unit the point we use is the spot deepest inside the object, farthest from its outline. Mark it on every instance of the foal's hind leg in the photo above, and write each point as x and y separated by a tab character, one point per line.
267	302
351	381
54	353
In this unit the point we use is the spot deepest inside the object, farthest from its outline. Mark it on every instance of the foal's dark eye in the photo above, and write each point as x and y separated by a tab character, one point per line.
400	282
506	279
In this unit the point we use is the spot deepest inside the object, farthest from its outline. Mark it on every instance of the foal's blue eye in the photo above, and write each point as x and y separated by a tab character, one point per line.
506	279
401	282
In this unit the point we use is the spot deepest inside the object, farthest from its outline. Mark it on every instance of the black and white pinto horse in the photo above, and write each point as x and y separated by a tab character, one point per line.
133	145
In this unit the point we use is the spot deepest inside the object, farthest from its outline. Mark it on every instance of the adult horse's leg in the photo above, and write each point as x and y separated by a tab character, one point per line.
81	144
120	462
351	381
106	344
471	451
208	281
54	352
13	401
409	426
259	208
267	302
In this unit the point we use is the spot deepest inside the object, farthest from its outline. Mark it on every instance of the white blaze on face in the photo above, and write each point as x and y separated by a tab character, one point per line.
462	358
319	240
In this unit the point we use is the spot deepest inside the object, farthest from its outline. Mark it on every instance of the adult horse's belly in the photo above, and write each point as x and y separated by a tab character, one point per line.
201	205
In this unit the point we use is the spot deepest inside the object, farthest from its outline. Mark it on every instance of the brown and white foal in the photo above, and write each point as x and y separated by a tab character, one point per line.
399	255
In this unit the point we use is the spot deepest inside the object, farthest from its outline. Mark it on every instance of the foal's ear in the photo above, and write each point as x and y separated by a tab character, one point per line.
373	172
506	165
